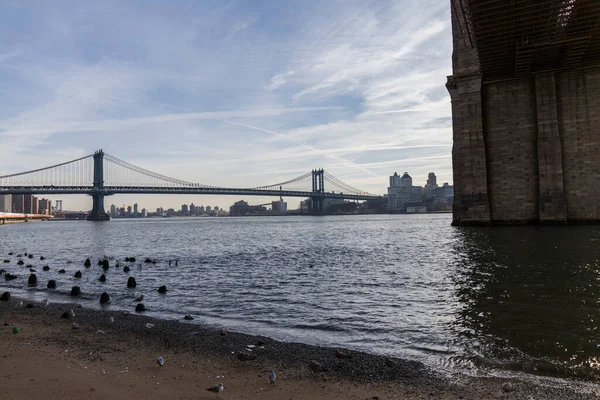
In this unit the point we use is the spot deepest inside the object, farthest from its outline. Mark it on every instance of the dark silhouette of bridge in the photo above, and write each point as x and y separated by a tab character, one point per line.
101	174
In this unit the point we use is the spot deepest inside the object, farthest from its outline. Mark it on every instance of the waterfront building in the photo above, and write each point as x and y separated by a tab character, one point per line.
401	192
18	203
59	206
113	211
243	208
135	210
279	207
184	209
44	206
6	203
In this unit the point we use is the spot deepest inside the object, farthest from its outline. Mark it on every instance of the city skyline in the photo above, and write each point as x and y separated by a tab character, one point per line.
233	95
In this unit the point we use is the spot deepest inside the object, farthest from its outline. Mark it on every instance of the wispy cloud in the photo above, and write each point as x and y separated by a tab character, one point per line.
231	94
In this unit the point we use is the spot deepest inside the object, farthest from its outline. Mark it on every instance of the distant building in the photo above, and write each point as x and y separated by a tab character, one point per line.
184	209
193	209
18	203
113	211
207	208
430	186
440	198
416	208
129	211
144	213
400	181
401	192
59	206
6	203
44	207
243	208
135	210
279	207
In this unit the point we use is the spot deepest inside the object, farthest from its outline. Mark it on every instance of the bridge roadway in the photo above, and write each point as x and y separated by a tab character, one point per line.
198	190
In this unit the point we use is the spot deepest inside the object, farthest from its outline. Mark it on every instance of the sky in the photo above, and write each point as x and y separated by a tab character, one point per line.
228	93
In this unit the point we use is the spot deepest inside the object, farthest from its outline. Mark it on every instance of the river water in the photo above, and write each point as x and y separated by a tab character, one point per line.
476	300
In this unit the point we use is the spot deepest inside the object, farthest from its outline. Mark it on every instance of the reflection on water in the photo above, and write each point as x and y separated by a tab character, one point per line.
529	298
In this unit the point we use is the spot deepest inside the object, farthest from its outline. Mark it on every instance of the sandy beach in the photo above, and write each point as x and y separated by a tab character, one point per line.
48	358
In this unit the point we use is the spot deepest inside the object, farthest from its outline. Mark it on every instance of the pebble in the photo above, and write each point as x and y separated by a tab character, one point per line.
316	367
246	357
508	387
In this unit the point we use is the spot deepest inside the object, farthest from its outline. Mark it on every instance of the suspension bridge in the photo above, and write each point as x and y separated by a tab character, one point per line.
101	174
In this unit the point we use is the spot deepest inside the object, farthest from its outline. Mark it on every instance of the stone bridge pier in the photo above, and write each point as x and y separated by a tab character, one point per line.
525	92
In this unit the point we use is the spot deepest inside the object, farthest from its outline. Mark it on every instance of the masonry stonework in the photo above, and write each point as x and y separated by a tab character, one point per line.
526	149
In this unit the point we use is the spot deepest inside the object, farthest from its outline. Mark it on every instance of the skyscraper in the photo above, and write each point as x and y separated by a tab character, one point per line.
431	180
18	203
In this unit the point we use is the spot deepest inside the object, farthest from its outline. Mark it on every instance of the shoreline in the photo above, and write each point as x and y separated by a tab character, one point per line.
193	350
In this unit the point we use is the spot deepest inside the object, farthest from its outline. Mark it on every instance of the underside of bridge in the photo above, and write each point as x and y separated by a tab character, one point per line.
525	96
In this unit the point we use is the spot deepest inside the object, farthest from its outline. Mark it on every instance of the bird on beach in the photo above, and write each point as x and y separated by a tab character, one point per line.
72	313
216	389
140	298
112	319
272	377
160	361
45	302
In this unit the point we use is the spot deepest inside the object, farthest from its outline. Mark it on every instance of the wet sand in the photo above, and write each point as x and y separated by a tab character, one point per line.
49	359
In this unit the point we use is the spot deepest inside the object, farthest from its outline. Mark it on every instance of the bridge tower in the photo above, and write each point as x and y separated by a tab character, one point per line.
98	213
318	189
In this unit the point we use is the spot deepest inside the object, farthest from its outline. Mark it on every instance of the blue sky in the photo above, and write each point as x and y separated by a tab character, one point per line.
238	93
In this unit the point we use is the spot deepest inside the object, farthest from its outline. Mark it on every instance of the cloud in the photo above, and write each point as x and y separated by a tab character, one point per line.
280	79
235	94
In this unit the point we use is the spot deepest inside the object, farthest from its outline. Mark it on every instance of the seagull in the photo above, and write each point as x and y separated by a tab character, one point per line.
160	361
216	389
72	313
272	377
112	320
45	302
140	298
